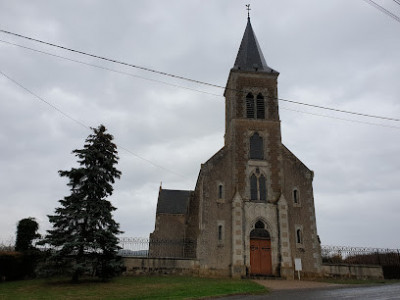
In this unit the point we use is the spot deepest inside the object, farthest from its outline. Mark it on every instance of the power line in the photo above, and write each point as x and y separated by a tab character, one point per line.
112	60
108	69
397	2
341	119
384	10
341	111
43	100
192	80
82	124
179	86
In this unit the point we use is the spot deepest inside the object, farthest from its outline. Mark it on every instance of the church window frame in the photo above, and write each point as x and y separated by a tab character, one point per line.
250	107
221	232
260	106
256	146
299	236
255	106
220	192
296	197
260	231
258	187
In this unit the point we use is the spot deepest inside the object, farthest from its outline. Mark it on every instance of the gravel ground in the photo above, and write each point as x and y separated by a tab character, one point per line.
277	284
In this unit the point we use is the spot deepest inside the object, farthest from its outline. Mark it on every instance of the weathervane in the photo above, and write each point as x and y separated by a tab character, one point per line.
248	10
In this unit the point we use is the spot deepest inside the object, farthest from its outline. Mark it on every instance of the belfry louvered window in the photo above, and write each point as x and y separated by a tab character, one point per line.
256	147
255	107
250	106
260	107
258	188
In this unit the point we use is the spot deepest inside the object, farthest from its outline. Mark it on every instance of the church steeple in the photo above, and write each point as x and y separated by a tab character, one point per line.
250	57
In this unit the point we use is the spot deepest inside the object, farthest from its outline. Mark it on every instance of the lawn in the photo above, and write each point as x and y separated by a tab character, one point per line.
152	287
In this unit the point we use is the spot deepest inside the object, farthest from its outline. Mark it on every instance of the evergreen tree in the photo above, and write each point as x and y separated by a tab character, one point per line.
26	232
83	239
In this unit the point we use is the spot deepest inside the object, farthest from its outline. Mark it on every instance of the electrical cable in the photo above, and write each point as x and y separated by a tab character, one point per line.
341	119
193	80
111	60
384	10
84	125
145	78
108	69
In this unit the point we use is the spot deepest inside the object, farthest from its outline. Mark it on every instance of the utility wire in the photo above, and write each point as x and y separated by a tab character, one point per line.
179	86
43	100
397	2
192	80
111	60
108	69
384	10
337	118
84	125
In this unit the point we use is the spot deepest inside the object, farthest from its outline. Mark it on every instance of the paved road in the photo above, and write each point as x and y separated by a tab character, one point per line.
384	292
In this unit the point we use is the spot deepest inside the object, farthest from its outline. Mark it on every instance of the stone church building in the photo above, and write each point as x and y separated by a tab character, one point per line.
252	210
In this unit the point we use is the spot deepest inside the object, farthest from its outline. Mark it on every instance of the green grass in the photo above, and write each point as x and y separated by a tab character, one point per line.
168	287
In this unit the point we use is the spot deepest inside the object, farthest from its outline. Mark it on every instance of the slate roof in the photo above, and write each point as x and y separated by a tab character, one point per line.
173	201
250	56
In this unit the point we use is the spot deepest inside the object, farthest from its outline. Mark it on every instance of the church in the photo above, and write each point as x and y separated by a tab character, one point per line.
252	210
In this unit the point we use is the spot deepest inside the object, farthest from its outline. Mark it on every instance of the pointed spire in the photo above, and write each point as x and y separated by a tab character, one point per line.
250	56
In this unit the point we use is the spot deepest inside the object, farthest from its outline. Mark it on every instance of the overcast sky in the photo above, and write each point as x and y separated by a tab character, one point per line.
335	53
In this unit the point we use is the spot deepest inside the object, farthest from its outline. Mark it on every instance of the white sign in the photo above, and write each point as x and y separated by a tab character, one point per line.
297	264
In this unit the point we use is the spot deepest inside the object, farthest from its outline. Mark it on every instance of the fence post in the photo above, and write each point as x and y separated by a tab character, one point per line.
398	256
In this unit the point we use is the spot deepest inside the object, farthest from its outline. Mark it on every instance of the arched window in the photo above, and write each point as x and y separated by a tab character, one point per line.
299	237
250	109
255	107
263	188
258	188
296	199
260	107
219	232
259	231
259	224
253	187
220	191
256	147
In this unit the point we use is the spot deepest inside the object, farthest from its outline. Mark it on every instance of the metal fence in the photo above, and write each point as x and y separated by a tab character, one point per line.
166	248
186	248
360	255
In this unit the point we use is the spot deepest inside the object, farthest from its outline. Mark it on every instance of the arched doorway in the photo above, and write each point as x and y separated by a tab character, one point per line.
260	250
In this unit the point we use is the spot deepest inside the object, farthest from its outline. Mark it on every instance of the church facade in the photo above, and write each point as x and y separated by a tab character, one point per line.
252	210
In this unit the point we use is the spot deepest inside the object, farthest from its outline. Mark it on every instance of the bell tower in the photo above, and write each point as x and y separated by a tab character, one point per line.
252	125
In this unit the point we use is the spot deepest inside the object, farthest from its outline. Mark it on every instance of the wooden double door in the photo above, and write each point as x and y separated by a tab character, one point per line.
260	257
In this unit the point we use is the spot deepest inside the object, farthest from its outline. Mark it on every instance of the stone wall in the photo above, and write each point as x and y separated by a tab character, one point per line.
174	266
157	266
352	271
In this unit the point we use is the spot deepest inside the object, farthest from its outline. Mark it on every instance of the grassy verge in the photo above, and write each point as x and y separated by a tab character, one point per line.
169	287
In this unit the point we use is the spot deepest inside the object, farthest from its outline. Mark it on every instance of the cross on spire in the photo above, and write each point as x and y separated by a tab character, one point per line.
248	10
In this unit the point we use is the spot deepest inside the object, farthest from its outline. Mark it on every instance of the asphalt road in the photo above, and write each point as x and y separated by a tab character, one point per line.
383	292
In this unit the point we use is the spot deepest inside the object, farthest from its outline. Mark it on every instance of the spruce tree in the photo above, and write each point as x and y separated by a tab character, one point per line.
84	235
